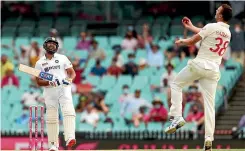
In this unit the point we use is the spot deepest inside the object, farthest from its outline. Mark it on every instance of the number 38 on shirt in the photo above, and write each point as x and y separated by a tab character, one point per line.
220	46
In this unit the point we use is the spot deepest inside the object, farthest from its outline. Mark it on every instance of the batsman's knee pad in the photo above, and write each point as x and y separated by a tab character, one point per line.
68	110
52	115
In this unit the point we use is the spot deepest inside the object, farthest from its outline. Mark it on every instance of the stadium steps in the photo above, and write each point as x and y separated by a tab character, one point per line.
230	118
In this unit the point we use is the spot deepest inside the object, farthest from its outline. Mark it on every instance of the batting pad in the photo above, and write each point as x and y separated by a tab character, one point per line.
69	117
52	123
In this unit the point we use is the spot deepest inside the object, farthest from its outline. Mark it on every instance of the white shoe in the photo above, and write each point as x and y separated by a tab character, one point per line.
208	144
53	148
177	122
71	142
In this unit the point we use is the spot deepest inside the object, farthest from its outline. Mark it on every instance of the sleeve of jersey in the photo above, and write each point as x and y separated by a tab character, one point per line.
38	66
68	63
205	31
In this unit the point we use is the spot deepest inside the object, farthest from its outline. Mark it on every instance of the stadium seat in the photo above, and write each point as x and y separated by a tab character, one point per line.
103	127
154	126
70	43
107	82
124	79
84	127
115	40
40	40
94	80
21	41
102	41
138	129
139	82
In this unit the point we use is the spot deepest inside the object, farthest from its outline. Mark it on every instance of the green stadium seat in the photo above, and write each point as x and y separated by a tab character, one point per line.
22	41
147	96
107	82
82	54
43	31
102	41
139	82
176	30
156	30
84	127
70	43
120	127
94	80
163	20
77	29
155	80
115	40
121	30
75	98
8	31
103	127
40	40
141	128
197	19
154	126
124	79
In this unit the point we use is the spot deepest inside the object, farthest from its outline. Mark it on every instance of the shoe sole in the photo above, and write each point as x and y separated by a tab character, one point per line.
71	143
208	146
174	129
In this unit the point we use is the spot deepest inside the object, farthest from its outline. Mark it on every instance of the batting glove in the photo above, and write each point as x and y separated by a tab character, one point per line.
67	81
54	83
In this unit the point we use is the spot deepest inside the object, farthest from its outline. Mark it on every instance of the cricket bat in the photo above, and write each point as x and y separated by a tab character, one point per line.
35	72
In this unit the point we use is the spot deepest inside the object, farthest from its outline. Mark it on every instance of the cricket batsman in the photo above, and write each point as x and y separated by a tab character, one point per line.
215	38
57	93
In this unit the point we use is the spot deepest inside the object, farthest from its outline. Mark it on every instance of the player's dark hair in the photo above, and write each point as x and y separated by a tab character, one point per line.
226	12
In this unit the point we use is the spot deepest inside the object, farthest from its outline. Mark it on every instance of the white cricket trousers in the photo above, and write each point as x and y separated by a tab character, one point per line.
208	79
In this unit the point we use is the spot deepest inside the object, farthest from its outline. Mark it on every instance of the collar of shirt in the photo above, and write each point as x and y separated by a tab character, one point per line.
55	56
224	24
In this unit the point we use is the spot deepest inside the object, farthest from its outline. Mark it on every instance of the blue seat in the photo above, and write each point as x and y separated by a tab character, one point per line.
103	127
94	80
84	127
115	40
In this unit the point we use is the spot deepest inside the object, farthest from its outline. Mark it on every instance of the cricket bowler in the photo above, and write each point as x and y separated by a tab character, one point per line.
215	38
57	93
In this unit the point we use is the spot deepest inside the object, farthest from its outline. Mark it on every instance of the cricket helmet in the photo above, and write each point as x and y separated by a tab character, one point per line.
50	39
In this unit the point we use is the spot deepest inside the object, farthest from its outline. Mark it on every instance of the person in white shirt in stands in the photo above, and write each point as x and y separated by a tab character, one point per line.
54	33
215	38
169	75
90	116
129	43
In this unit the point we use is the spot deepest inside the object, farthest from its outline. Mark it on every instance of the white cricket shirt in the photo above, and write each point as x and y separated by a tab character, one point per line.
215	40
56	66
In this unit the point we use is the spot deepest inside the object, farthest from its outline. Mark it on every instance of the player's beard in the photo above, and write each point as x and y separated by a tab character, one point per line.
51	52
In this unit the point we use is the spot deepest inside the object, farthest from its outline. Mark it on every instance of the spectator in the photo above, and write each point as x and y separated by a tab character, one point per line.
96	52
5	65
238	44
158	113
99	103
83	101
125	94
154	56
23	119
83	44
9	78
196	116
114	69
85	86
131	105
119	58
130	68
169	75
23	57
54	33
129	43
145	36
78	70
90	116
242	122
142	64
98	70
35	53
31	97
